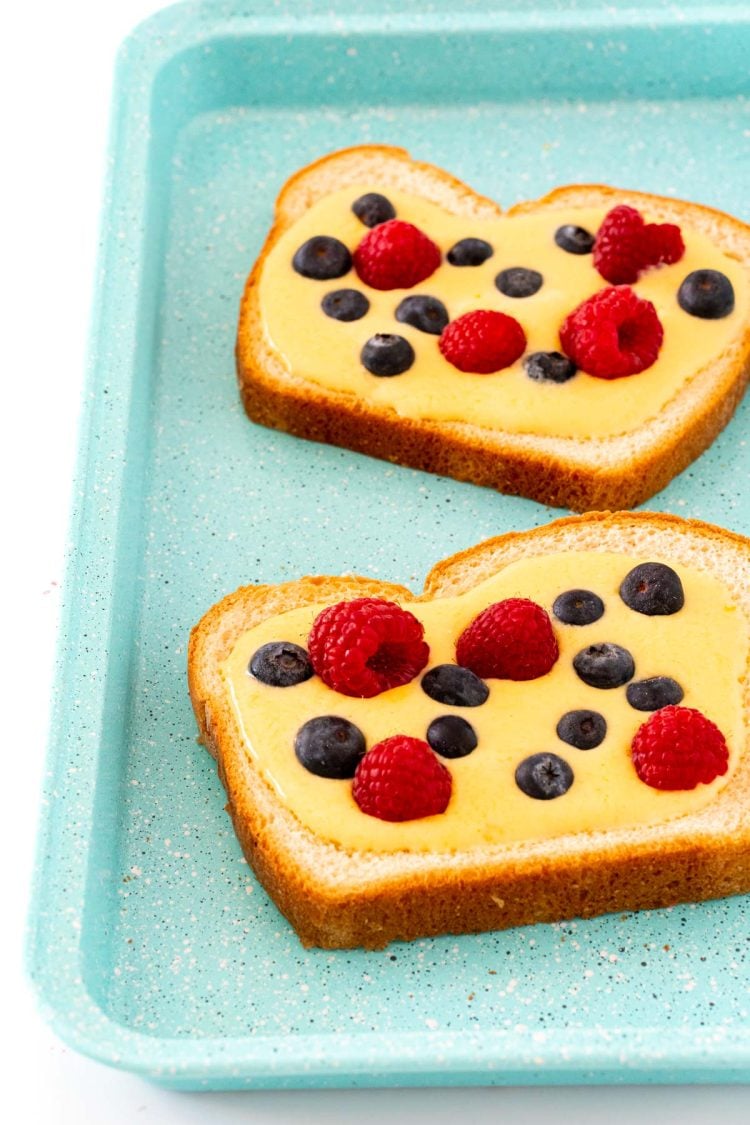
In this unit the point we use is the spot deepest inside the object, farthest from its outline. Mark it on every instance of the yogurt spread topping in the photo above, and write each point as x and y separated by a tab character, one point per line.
544	701
509	323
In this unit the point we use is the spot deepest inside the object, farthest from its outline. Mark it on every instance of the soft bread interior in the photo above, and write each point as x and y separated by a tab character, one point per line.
388	165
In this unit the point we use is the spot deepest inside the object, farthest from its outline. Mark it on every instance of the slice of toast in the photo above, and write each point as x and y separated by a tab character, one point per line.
627	456
406	886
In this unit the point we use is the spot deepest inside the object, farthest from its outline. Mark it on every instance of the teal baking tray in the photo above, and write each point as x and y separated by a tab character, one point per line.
151	945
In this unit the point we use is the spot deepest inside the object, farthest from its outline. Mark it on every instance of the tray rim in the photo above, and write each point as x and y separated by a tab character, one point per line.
484	1057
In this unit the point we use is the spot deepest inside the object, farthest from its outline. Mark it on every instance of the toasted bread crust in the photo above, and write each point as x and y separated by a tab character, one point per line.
339	899
562	472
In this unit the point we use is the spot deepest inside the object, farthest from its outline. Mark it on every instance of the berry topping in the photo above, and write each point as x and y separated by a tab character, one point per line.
330	746
345	304
510	640
451	736
367	645
386	354
373	209
519	282
583	729
618	255
322	258
456	686
483	341
578	607
678	748
549	367
470	252
662	244
395	255
544	776
425	313
604	665
280	664
613	334
626	245
401	779
654	693
576	240
654	589
707	294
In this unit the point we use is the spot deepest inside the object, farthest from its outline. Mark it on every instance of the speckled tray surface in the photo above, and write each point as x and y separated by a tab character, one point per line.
151	944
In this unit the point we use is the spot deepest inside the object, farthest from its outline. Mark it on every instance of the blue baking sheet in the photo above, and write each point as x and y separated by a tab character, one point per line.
151	944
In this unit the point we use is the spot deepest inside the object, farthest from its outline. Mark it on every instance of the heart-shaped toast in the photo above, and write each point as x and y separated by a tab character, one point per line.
557	726
579	350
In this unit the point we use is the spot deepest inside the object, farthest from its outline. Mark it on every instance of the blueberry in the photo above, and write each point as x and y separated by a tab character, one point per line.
582	729
654	693
386	354
470	252
706	293
451	736
544	776
654	589
604	665
576	240
454	685
425	313
549	367
517	281
322	258
345	304
578	607
330	746
280	664
373	209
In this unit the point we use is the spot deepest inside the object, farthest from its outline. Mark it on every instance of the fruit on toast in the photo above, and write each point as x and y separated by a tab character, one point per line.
558	726
579	350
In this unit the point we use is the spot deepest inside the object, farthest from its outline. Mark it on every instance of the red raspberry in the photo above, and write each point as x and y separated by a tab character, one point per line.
401	779
366	646
395	255
626	245
612	334
677	748
482	341
510	640
617	251
662	244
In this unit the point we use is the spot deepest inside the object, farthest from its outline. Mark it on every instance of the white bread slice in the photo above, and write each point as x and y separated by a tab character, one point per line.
584	475
337	899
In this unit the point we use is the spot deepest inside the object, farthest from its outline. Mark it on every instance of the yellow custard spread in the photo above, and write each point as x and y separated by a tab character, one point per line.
704	647
327	351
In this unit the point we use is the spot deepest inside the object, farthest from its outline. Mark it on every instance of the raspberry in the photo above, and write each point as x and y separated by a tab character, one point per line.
663	245
626	245
395	255
618	254
367	645
510	640
483	341
612	334
401	779
678	748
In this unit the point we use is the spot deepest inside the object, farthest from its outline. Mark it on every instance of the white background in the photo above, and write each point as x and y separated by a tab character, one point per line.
55	78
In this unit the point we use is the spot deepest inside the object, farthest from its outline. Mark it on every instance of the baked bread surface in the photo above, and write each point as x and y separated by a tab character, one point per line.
336	898
584	475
